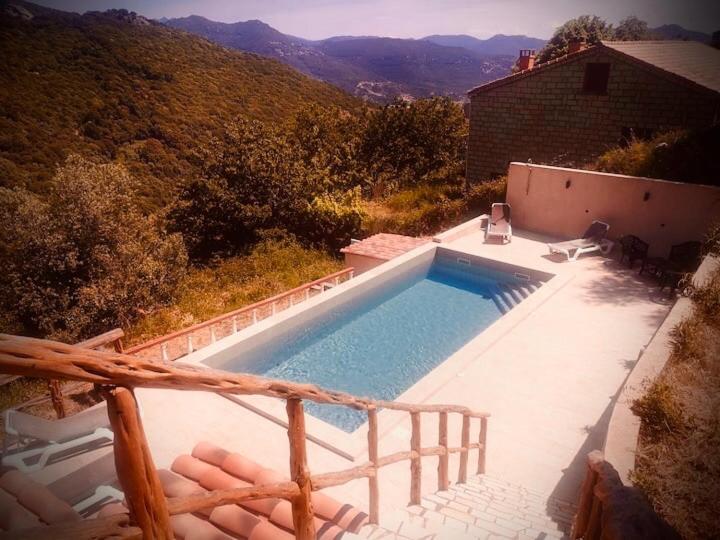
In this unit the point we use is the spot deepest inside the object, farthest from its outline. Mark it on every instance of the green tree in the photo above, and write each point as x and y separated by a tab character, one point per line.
632	29
84	259
590	28
407	144
327	140
257	178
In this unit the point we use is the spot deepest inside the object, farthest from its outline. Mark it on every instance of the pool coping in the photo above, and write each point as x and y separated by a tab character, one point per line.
353	445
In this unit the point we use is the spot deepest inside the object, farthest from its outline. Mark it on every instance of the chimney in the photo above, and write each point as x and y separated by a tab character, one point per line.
576	45
526	60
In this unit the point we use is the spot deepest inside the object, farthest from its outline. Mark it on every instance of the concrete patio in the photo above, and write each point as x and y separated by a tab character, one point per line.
548	382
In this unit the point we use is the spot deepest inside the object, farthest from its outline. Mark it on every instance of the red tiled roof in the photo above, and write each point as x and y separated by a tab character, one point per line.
384	246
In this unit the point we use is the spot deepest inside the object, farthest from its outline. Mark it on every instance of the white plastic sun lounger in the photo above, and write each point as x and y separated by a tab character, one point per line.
593	240
90	485
84	428
499	222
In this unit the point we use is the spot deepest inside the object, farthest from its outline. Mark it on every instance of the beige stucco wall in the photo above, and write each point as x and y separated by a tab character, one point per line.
674	213
361	263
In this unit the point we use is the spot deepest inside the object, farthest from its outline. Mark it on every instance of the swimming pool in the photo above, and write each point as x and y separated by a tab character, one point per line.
382	342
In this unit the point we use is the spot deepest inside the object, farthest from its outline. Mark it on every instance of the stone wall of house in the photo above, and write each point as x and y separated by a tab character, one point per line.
547	118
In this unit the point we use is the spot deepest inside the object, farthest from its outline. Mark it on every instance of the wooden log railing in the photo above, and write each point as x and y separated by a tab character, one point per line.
118	374
177	344
112	337
607	509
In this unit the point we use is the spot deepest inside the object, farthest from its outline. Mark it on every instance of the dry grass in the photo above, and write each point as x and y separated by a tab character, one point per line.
429	209
270	268
678	463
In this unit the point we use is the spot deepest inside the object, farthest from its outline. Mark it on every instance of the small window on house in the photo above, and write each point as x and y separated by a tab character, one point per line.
596	78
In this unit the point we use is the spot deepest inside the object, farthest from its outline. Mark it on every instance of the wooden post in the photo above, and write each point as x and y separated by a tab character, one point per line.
274	308
234	324
118	346
189	344
56	397
415	460
482	451
587	498
135	468
302	510
594	526
464	444
373	457
164	352
213	337
307	293
443	459
255	318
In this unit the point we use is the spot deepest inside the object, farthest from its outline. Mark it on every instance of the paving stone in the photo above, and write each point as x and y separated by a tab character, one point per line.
458	506
457	514
494	528
413	531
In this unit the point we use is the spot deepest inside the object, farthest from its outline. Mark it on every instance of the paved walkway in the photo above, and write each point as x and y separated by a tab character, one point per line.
548	384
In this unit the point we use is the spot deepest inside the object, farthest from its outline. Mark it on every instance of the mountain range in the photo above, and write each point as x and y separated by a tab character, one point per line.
376	68
381	69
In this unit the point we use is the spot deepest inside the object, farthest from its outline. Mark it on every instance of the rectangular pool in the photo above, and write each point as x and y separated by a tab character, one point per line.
382	342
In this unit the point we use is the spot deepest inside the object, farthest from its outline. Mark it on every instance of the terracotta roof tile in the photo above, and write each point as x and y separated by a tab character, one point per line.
384	246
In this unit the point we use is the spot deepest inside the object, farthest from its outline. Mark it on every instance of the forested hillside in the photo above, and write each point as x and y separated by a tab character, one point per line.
115	86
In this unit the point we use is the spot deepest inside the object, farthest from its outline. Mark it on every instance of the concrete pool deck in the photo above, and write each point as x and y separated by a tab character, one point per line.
548	383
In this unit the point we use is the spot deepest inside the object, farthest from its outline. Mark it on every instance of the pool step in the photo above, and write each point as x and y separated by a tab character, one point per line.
508	295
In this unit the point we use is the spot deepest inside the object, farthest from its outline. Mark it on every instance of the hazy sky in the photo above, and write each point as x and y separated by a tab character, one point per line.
317	19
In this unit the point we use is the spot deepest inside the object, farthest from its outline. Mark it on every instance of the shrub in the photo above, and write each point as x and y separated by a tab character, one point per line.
84	260
707	300
712	240
331	220
684	156
686	339
480	196
659	411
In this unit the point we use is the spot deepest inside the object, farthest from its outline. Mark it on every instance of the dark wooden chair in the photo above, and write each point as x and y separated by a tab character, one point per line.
683	258
633	249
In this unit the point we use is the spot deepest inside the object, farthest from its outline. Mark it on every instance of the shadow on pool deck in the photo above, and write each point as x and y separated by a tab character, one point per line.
622	286
568	487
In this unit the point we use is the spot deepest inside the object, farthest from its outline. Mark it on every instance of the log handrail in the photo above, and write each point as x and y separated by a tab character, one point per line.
334	278
52	359
150	510
113	336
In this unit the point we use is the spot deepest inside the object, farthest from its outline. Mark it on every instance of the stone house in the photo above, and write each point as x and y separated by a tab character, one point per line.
573	108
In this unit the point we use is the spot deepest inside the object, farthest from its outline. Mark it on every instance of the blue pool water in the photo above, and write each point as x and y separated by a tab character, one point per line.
381	345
